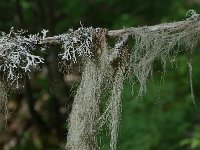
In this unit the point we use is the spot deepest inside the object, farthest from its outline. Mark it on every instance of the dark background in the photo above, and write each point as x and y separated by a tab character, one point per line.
164	119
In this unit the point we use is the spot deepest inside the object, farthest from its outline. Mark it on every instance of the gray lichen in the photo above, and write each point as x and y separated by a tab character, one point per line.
17	56
77	43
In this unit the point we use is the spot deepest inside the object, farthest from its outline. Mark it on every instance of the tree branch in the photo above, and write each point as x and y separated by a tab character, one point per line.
134	30
16	45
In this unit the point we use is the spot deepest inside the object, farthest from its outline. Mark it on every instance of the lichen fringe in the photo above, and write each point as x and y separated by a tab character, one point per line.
3	107
115	108
112	80
112	112
159	45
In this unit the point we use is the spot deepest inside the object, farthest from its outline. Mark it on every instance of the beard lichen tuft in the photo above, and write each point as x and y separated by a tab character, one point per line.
151	45
85	111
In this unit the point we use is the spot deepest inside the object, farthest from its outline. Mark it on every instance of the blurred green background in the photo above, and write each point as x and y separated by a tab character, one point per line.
164	119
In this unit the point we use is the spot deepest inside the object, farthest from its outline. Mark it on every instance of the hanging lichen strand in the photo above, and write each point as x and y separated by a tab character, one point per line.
85	111
3	107
115	107
104	68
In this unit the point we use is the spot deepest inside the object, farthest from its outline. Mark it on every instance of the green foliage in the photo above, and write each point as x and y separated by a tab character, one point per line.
194	141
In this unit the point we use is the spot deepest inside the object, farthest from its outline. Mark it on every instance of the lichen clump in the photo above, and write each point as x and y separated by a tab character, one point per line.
77	43
17	57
